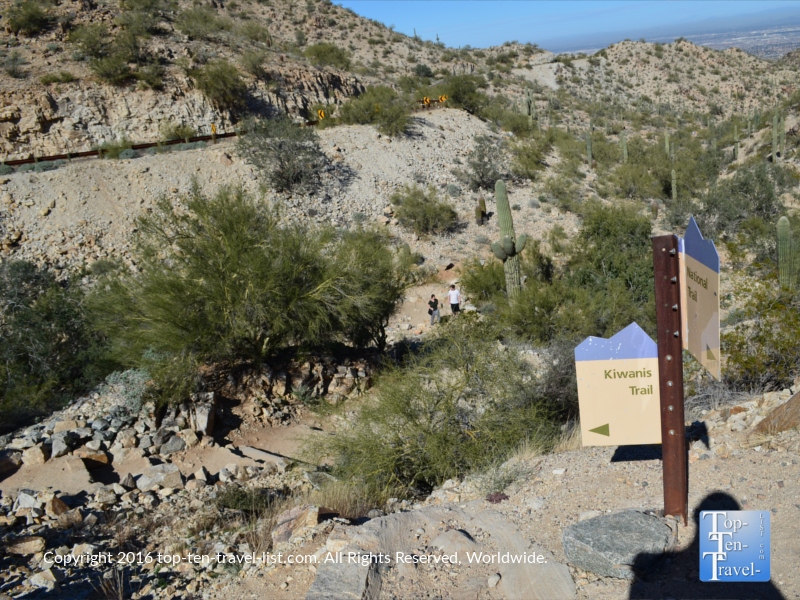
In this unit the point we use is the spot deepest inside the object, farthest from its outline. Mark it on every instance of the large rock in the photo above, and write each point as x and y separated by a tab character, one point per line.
348	581
201	413
784	417
36	455
293	520
612	545
26	545
10	461
264	456
166	475
173	444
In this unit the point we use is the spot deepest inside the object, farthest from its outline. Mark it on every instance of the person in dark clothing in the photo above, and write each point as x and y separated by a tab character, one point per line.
433	308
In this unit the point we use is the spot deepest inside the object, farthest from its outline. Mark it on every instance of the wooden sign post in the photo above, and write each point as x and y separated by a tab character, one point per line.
666	268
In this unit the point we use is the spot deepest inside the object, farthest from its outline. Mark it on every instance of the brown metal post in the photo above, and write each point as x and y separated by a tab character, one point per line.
666	270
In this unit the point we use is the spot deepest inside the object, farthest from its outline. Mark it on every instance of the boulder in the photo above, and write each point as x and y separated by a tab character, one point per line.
26	545
784	417
93	459
264	456
201	413
60	447
611	545
55	507
166	475
71	518
173	444
10	461
293	520
64	426
36	455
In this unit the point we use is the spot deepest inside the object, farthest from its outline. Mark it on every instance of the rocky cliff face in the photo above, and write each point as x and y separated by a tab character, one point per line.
42	122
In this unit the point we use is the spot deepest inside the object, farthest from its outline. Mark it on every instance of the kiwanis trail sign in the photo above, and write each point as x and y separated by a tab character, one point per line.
618	389
630	389
700	298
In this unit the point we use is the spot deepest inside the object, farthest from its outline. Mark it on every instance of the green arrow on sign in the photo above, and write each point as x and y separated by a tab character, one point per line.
602	430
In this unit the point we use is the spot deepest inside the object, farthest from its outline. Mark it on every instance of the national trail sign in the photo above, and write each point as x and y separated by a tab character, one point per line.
699	268
618	389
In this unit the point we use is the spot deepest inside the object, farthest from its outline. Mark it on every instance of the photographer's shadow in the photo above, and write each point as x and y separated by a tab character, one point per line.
679	577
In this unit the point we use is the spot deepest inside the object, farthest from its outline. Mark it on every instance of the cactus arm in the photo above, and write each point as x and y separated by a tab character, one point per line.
521	241
497	248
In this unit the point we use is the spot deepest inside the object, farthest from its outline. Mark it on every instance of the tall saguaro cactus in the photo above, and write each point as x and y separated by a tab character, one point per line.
666	143
787	267
530	107
775	138
623	138
589	149
509	247
783	138
674	187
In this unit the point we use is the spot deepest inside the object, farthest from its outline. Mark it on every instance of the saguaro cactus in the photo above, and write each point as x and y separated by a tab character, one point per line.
624	141
530	107
480	212
775	138
787	269
666	143
674	187
735	142
509	247
654	209
589	149
783	138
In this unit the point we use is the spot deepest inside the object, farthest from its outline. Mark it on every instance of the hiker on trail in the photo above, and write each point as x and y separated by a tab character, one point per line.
433	308
455	299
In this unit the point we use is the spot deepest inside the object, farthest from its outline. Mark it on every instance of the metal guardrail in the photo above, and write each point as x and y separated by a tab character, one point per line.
424	104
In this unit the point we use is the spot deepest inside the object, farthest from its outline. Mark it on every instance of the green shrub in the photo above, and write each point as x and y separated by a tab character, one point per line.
222	84
128	153
198	22
423	212
171	130
253	62
13	64
455	407
222	280
381	106
113	68
328	54
48	349
529	156
421	70
484	164
288	156
44	165
463	91
763	349
91	38
28	17
113	149
25	168
753	193
253	31
6	170
61	77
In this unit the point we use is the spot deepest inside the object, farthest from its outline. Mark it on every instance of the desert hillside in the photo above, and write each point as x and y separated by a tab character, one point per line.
216	352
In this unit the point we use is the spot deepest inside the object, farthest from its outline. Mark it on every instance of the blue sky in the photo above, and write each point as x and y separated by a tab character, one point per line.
560	25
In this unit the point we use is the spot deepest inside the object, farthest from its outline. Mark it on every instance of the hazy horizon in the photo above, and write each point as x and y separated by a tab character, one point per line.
572	26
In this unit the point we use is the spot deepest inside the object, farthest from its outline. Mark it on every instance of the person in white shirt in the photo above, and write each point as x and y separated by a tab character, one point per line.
455	299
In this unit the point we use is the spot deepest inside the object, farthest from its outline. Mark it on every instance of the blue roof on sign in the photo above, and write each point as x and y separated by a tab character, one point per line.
631	342
702	250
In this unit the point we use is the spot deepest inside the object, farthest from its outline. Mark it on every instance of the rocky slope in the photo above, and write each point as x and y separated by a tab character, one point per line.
46	117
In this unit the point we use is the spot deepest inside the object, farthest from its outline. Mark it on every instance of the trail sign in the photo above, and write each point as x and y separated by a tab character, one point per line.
213	128
321	114
618	390
699	267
